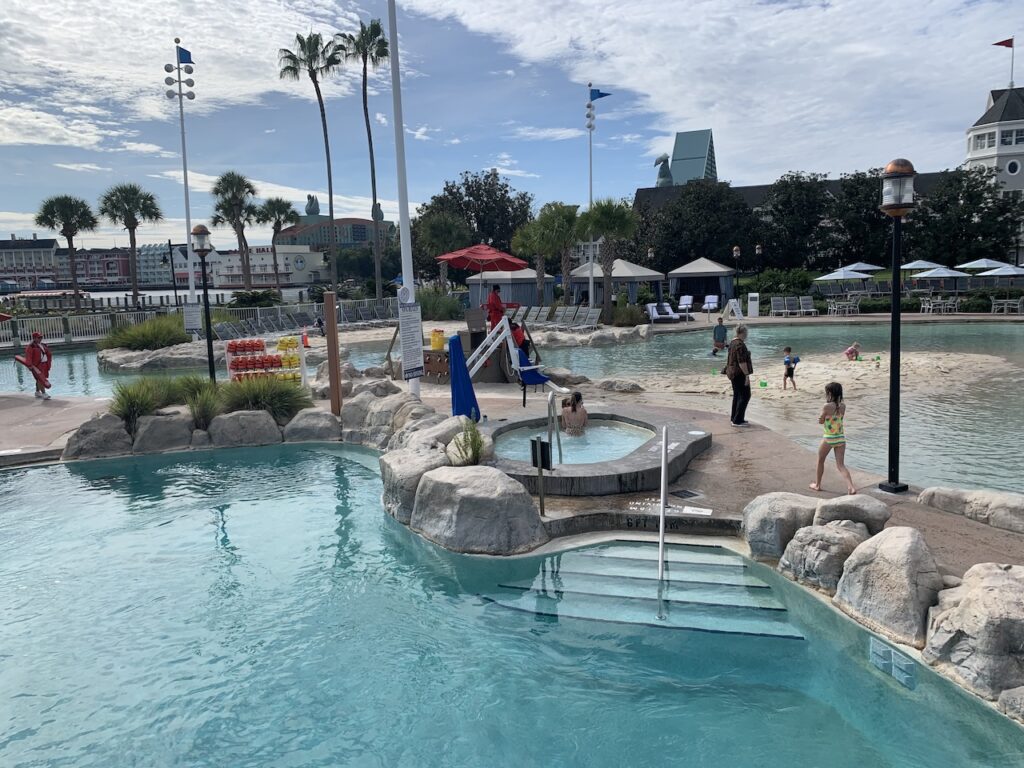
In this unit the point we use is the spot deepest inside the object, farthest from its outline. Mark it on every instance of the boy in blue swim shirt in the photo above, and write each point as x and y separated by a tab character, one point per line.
790	361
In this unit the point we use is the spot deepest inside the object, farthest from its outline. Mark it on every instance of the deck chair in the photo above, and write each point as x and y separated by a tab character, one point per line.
778	307
589	321
532	315
807	306
792	306
665	311
571	313
710	304
686	304
519	315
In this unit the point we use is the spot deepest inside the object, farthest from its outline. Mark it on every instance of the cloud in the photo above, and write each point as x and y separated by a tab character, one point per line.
455	140
507	166
25	125
529	133
503	72
83	167
23	224
628	138
144	148
422	133
381	118
270	130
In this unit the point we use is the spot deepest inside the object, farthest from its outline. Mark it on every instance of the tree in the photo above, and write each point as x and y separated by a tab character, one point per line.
491	209
441	233
319	59
614	221
129	205
855	229
707	219
370	47
528	241
233	205
277	212
964	217
557	225
68	216
792	215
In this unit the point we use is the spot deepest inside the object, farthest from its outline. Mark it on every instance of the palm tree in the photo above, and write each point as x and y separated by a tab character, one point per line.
528	241
558	232
277	212
68	215
318	58
614	221
369	46
444	233
233	205
130	205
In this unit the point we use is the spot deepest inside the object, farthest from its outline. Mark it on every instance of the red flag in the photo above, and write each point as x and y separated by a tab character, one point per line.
1008	43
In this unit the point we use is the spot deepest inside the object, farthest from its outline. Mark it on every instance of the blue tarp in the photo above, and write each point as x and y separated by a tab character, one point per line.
463	397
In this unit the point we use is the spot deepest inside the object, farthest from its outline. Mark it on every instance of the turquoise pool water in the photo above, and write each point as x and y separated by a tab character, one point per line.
603	441
77	373
972	436
257	608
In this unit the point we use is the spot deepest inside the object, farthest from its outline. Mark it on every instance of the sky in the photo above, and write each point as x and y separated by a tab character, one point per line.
830	86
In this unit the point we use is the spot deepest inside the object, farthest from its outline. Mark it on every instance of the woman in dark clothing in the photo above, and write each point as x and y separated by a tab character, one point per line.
739	368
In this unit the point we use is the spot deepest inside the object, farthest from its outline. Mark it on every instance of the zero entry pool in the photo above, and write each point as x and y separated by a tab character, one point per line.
256	607
602	441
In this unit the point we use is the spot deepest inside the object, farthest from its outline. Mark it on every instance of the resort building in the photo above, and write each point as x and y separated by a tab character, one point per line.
31	262
693	157
315	231
298	265
155	270
95	267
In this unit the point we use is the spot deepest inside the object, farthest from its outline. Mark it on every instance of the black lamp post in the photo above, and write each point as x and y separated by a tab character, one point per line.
758	253
897	201
201	247
169	259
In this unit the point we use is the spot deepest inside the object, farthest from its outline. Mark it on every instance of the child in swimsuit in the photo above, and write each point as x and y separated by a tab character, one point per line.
853	351
789	361
834	436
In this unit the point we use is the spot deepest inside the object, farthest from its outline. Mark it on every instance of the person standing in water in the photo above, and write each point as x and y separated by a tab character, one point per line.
834	437
719	334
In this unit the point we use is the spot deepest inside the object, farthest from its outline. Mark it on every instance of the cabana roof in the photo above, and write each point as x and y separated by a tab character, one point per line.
702	268
622	270
525	275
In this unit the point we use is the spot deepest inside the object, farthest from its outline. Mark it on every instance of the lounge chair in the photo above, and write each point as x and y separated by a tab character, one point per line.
590	321
792	306
520	313
665	310
531	316
571	314
367	318
655	316
807	306
710	305
558	318
778	307
686	304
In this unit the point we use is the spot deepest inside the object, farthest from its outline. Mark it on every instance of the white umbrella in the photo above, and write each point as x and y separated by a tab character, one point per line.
939	273
982	264
845	273
860	266
920	264
1007	270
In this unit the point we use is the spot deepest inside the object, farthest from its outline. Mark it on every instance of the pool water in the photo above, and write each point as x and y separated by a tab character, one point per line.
256	607
602	441
77	373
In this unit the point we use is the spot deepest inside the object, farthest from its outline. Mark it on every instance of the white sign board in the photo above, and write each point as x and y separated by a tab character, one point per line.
734	308
193	317
753	305
410	333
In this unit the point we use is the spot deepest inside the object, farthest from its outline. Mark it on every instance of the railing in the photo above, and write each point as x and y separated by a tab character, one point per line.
89	326
664	503
553	425
6	334
52	329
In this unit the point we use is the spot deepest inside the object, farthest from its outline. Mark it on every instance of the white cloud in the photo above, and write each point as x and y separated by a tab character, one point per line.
507	166
531	133
381	118
456	140
503	72
422	133
83	167
144	148
270	130
628	138
23	224
21	124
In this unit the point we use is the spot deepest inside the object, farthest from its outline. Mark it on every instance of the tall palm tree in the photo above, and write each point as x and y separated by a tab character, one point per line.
233	205
130	205
277	212
558	232
529	241
369	46
444	233
318	58
68	216
614	221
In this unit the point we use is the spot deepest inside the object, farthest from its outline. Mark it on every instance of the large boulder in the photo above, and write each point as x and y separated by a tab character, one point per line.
602	339
380	417
191	354
374	372
400	472
410	413
200	440
354	410
157	434
563	377
239	428
437	435
619	385
102	435
425	421
1011	703
889	583
478	510
771	520
996	508
859	508
376	387
312	424
816	554
976	632
460	454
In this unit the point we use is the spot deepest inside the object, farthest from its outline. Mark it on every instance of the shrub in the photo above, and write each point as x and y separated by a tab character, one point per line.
132	400
470	446
281	398
267	298
192	384
156	333
782	282
204	404
628	315
438	305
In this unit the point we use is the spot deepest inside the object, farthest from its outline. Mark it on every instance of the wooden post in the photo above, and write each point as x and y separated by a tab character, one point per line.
333	359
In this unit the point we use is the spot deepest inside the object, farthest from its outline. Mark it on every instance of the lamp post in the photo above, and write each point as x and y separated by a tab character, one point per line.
736	257
183	65
169	259
758	253
201	247
897	202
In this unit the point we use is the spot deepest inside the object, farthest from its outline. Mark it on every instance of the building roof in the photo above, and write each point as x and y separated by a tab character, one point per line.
621	270
19	245
1007	104
519	275
115	251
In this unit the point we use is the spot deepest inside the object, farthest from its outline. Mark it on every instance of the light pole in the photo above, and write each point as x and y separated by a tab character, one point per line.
183	64
201	246
169	259
897	201
758	253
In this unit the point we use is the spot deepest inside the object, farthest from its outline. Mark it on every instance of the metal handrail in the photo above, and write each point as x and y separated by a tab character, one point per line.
553	425
664	503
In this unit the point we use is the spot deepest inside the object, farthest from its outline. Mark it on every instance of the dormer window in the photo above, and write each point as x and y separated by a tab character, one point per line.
985	140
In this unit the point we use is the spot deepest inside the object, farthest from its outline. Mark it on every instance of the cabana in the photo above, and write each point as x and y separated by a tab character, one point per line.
518	287
624	274
702	277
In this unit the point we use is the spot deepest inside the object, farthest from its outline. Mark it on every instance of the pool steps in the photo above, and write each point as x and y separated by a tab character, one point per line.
706	589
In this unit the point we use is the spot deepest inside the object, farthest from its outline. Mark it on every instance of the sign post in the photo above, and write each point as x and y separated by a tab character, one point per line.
192	313
410	333
333	354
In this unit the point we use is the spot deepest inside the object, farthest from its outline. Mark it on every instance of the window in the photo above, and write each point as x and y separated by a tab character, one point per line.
359	233
1006	138
1019	138
979	141
991	138
1013	167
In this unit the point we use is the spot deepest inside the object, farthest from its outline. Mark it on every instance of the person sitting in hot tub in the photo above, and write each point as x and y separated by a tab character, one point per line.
574	415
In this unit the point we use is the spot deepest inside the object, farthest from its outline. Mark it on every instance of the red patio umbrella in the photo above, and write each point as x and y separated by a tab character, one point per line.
482	258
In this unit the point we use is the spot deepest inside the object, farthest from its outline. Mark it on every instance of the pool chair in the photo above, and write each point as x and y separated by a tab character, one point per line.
686	306
792	306
778	307
710	305
530	376
807	306
665	310
570	317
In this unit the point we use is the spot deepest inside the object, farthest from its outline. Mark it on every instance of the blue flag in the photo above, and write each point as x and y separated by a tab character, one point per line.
185	57
597	93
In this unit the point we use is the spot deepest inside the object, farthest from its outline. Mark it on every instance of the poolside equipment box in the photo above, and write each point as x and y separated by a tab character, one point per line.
753	305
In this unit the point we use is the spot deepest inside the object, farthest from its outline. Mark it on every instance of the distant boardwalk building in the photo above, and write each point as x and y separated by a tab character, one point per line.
693	157
29	262
996	140
315	231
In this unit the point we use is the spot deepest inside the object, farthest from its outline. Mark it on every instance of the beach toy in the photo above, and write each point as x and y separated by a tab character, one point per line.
436	339
878	358
859	358
763	383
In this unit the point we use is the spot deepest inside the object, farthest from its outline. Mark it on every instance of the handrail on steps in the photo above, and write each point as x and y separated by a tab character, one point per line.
553	425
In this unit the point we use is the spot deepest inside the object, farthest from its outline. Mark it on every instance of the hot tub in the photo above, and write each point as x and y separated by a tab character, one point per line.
603	440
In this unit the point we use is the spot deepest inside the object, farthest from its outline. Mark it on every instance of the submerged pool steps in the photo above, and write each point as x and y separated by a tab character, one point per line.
706	589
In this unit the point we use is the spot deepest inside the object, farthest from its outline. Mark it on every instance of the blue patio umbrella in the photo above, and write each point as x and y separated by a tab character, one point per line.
463	397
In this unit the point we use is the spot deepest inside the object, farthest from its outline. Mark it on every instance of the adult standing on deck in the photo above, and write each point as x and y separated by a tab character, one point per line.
37	355
495	309
738	368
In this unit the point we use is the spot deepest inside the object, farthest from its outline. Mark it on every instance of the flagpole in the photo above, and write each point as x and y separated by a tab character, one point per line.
190	257
590	164
1013	50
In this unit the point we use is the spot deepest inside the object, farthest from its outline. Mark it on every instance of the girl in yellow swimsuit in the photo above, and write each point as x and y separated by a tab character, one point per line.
834	438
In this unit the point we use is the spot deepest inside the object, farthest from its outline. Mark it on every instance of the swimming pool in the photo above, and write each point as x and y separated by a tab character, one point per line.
602	441
255	607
